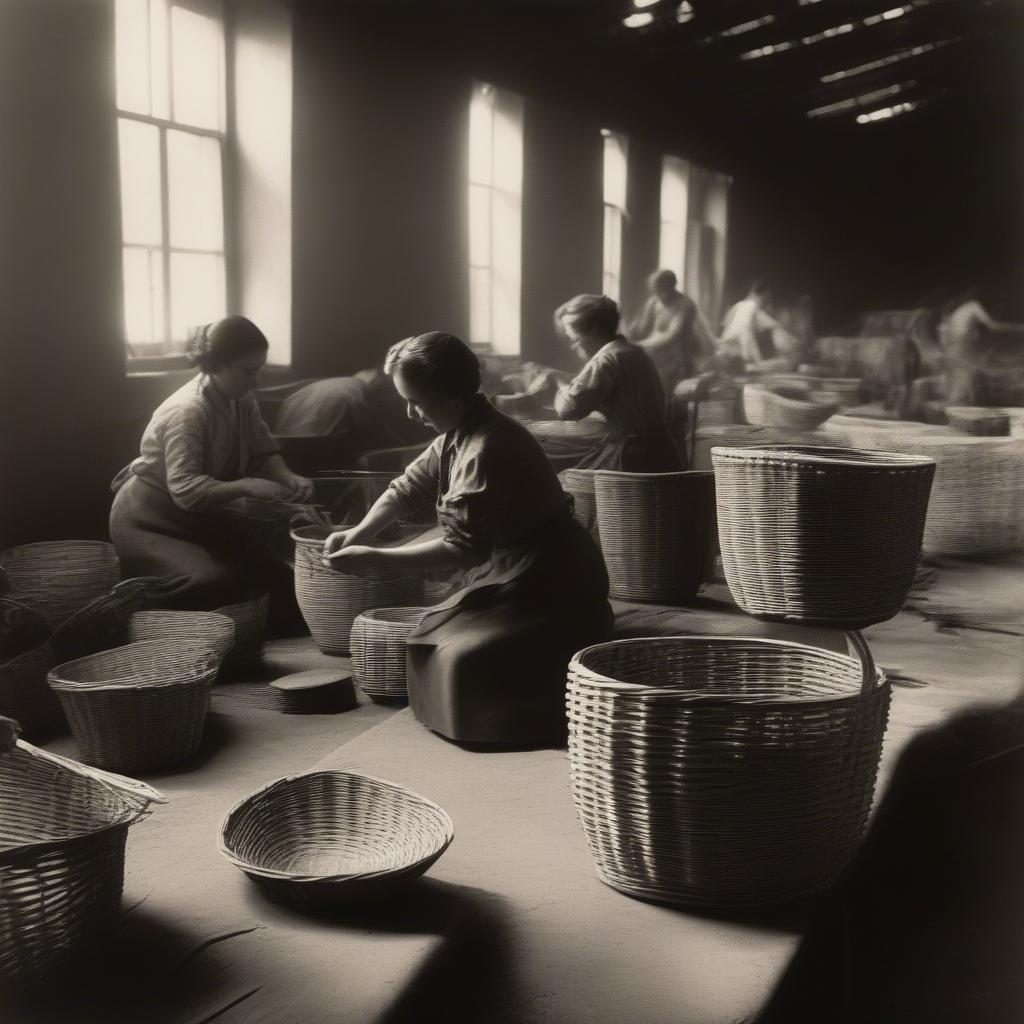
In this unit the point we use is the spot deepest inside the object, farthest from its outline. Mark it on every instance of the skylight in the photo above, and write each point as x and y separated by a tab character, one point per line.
883	62
885	113
864	100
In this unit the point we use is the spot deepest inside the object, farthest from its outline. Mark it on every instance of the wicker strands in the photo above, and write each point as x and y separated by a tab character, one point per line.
250	619
102	623
206	631
579	484
138	707
331	600
778	406
980	422
333	835
62	839
720	771
378	651
823	536
59	577
655	531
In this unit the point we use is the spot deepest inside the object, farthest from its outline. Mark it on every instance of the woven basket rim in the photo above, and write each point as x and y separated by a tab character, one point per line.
683	474
444	819
41	545
256	601
823	455
161	613
600	681
398	614
201	667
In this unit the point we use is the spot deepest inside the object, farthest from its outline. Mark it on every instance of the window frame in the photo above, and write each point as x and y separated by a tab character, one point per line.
168	353
614	214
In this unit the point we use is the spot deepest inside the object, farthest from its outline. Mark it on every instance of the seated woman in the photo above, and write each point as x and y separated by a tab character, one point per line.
619	381
487	665
206	448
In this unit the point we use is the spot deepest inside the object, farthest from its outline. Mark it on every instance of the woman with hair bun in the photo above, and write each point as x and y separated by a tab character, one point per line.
206	448
488	665
619	381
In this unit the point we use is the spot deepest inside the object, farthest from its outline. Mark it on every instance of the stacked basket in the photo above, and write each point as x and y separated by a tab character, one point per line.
378	651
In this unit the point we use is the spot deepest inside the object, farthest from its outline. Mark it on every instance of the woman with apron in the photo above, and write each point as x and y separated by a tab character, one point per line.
181	507
488	665
620	382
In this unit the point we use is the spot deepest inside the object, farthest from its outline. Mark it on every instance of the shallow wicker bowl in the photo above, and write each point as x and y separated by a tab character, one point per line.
788	407
333	835
62	840
723	771
58	578
822	536
138	707
378	651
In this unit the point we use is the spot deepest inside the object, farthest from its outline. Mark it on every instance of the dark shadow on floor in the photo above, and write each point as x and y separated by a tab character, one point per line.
928	924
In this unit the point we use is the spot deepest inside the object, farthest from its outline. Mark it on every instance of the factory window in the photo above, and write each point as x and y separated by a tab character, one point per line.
675	179
615	171
495	217
171	133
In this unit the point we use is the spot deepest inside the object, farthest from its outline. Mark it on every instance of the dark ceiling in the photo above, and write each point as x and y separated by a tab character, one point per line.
955	61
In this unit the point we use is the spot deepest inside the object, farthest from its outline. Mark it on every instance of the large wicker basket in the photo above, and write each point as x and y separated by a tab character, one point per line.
62	839
579	483
138	707
60	577
378	651
207	631
250	619
331	600
655	531
719	771
332	835
823	536
778	406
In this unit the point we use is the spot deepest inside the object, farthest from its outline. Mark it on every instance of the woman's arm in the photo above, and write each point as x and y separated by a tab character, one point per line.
425	555
387	509
273	467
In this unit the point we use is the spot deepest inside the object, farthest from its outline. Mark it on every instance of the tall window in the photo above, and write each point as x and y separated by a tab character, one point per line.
675	176
495	217
615	170
171	130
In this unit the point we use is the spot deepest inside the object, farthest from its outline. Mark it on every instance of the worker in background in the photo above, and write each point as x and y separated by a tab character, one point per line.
750	333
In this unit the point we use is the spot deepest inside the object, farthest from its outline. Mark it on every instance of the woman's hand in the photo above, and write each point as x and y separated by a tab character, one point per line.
302	489
354	559
340	539
266	490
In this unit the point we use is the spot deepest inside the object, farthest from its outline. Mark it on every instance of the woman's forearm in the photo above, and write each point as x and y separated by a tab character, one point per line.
274	468
429	554
226	491
383	512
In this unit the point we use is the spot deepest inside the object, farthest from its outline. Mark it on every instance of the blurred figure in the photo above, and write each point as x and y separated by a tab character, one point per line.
796	320
751	332
672	331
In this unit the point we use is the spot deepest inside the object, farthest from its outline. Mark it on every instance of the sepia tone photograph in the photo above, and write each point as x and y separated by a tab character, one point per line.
512	511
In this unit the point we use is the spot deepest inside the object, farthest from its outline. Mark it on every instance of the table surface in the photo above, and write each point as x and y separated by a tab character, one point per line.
511	924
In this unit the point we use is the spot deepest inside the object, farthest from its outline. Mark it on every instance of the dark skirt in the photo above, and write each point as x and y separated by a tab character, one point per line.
653	452
215	559
489	664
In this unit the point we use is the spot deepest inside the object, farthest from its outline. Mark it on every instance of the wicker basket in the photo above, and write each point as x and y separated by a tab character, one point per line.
655	532
979	421
138	707
823	536
332	835
206	631
331	600
588	431
250	619
720	771
102	623
579	483
59	577
778	406
848	389
378	651
62	839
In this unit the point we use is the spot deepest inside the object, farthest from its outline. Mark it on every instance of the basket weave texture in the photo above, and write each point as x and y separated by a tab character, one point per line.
331	835
768	406
823	536
250	619
59	577
138	707
206	631
579	483
979	421
655	531
62	839
720	771
331	600
378	650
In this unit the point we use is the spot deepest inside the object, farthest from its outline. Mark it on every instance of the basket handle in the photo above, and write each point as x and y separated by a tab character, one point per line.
120	783
858	647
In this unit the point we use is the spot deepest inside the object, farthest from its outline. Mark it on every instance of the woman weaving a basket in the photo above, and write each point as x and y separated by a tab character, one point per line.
181	507
619	381
487	665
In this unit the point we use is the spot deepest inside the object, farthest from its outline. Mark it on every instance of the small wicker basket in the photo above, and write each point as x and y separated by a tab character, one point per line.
138	707
328	836
59	577
63	829
378	651
723	771
250	619
206	631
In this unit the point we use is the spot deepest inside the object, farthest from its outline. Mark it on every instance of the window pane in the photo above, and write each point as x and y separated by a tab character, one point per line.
673	240
132	41
508	143
615	170
143	296
610	285
612	243
195	191
139	146
197	292
197	49
479	225
480	305
674	176
481	134
159	55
